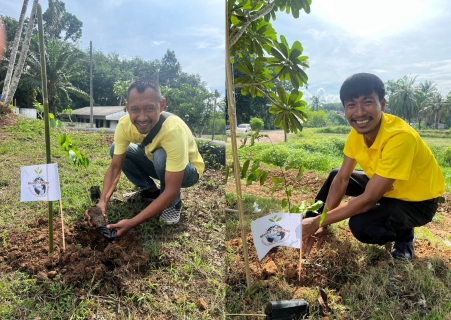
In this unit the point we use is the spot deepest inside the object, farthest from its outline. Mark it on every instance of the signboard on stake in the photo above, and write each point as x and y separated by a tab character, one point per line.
40	183
280	229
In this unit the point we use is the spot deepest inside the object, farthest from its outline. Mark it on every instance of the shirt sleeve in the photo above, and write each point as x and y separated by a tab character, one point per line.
396	157
120	142
347	150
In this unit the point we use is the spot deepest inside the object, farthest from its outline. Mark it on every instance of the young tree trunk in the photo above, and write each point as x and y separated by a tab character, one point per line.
23	55
15	47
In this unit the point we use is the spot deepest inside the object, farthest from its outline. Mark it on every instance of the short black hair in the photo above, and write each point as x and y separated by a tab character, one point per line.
142	84
361	84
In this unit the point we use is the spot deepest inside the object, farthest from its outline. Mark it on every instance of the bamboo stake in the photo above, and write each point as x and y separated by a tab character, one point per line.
300	256
236	164
46	114
62	225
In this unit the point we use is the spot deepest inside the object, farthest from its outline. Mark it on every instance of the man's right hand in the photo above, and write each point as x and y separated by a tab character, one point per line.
102	207
318	236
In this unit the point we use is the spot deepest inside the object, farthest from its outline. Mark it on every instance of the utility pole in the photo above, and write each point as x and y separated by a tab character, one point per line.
214	115
91	119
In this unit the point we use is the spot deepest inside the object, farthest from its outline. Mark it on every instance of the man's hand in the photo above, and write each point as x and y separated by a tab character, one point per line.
311	232
319	236
102	207
122	226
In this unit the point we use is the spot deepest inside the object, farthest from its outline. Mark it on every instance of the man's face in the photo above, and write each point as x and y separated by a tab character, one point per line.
364	114
144	109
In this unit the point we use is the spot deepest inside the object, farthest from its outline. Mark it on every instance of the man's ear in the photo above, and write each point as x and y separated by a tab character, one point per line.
127	107
162	105
383	104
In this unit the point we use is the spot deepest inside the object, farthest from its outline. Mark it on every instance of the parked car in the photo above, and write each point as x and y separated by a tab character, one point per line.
243	128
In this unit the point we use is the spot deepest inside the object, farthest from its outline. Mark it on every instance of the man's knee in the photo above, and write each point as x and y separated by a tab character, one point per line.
112	150
367	232
358	226
333	173
159	159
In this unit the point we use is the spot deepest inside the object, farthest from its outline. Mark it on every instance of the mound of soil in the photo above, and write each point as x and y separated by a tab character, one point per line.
89	257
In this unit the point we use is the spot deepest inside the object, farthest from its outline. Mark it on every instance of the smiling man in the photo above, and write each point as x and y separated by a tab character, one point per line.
171	156
399	186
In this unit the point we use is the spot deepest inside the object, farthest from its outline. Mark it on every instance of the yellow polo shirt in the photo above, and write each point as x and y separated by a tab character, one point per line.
398	153
174	137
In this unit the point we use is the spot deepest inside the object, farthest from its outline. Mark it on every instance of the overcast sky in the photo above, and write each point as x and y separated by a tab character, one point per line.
390	38
194	30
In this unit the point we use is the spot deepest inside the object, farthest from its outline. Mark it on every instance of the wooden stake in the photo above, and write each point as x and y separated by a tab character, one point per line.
300	256
236	164
62	225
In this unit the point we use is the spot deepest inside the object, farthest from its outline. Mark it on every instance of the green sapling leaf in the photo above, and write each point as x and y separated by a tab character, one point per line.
245	167
323	216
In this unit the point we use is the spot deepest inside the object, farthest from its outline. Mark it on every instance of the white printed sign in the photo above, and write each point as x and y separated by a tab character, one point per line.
280	229
40	183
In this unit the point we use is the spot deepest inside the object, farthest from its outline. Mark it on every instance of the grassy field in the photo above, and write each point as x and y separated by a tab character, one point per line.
361	281
183	279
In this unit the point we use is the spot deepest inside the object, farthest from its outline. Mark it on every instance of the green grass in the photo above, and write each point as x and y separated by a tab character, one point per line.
315	151
186	263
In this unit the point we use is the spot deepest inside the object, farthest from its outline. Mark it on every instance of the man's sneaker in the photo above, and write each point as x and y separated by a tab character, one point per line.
404	249
142	195
171	214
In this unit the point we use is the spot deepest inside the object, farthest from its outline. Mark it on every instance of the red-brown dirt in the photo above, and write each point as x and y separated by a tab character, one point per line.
89	257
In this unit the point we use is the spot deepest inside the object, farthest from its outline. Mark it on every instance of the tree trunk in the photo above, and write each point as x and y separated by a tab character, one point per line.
436	120
12	58
23	55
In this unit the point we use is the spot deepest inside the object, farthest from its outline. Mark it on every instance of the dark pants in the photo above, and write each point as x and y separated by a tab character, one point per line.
389	220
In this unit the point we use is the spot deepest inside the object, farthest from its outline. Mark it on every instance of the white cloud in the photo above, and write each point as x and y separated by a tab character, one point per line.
375	19
157	43
202	45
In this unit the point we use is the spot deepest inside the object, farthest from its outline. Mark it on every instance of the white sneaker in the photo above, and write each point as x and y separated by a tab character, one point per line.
171	215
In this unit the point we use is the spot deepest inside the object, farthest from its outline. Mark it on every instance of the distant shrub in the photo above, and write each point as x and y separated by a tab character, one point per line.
257	124
336	129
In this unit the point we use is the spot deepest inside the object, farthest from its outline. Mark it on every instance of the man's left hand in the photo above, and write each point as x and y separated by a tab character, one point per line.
122	226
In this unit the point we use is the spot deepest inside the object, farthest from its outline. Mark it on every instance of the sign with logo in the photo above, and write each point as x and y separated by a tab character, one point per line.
40	183
280	229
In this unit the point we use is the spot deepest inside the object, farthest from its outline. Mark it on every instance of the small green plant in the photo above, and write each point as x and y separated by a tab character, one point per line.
77	157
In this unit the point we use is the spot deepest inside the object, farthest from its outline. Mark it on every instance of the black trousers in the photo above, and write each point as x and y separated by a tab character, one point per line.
389	220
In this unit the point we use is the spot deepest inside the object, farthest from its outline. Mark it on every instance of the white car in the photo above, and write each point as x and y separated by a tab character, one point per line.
243	128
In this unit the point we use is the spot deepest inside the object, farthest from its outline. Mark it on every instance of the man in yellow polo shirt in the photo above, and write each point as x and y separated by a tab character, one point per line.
400	185
171	157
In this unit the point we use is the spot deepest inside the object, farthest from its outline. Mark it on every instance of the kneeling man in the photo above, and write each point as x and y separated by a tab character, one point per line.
400	184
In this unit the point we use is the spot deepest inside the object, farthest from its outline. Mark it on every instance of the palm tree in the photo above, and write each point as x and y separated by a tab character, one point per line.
437	104
63	67
12	59
23	55
402	101
317	103
425	92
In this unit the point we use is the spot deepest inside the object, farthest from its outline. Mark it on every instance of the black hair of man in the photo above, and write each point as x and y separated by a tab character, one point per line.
361	84
142	84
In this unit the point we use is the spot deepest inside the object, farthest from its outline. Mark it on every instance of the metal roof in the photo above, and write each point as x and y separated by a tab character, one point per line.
98	111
